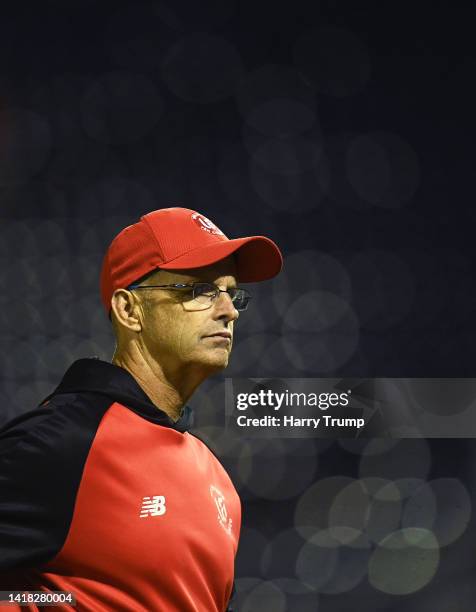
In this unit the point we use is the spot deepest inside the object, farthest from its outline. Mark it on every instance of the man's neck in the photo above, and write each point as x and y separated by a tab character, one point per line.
167	391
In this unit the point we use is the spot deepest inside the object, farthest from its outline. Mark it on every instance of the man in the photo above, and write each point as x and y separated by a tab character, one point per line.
103	491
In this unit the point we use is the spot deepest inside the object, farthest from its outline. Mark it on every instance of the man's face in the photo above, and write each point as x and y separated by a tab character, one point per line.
177	332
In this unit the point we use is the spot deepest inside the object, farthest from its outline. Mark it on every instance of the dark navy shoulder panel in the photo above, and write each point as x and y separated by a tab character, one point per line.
108	379
42	456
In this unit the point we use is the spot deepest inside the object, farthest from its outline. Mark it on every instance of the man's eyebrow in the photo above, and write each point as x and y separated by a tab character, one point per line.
211	280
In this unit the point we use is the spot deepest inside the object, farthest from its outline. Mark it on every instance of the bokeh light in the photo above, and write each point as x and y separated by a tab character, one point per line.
299	596
268	472
275	100
384	511
383	288
267	597
279	556
383	169
312	509
288	155
404	562
289	191
443	506
349	508
330	566
327	334
310	270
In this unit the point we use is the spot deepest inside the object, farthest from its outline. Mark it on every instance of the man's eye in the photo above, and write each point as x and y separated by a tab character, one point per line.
205	289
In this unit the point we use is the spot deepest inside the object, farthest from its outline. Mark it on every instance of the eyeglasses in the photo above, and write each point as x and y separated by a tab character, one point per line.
206	293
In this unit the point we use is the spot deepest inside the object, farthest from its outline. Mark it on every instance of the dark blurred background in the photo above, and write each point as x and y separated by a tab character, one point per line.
342	130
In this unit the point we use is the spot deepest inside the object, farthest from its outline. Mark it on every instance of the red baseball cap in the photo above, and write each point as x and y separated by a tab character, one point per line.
179	239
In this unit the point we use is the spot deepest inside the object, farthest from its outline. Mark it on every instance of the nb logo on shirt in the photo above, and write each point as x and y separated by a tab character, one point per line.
153	506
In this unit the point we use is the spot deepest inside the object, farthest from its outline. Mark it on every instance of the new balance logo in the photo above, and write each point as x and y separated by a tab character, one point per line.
153	506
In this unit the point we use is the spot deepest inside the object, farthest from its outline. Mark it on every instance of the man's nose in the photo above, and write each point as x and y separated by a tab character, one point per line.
224	308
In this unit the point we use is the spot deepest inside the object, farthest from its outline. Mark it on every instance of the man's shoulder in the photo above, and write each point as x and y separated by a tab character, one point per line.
59	422
207	447
42	457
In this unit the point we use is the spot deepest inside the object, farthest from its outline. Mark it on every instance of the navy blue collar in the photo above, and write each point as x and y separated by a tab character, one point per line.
96	376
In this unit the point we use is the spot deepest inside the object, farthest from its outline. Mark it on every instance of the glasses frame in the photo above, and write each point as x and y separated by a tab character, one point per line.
192	286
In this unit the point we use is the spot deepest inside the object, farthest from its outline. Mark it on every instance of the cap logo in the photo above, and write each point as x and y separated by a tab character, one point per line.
206	225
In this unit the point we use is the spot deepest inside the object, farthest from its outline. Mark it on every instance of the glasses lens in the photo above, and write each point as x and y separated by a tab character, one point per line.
204	293
240	298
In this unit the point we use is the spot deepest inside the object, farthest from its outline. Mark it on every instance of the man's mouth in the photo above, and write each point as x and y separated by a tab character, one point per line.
223	334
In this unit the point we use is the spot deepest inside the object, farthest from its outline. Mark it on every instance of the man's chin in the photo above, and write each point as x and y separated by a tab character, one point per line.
216	361
219	364
209	361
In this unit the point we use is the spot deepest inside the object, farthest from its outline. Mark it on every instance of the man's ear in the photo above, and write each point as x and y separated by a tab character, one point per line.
127	310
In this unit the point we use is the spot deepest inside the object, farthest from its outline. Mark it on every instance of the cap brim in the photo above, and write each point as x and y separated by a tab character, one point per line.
258	258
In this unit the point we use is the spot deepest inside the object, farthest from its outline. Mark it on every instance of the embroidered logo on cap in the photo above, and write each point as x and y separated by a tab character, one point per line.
206	225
